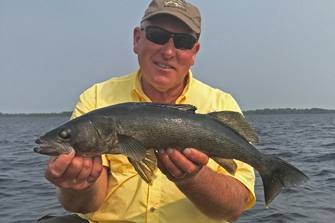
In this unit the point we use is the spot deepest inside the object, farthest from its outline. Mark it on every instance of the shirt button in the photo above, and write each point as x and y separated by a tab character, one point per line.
155	176
152	209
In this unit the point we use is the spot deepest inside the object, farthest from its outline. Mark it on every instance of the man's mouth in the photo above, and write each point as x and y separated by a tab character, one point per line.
163	66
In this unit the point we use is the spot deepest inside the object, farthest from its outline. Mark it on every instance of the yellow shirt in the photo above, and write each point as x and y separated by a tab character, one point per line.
129	198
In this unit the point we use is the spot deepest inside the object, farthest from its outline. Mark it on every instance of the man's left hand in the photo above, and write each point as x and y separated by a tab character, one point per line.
181	167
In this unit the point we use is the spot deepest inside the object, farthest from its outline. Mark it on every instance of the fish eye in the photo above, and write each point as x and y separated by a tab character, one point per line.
64	133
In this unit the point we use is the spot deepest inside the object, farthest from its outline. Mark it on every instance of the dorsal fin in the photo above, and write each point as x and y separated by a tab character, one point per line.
181	107
236	121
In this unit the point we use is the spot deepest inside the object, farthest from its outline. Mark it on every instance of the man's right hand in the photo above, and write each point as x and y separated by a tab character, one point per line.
73	172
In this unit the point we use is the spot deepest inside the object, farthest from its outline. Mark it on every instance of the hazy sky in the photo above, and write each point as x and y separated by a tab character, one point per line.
267	54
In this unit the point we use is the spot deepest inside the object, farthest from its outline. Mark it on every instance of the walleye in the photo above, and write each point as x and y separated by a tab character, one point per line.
136	130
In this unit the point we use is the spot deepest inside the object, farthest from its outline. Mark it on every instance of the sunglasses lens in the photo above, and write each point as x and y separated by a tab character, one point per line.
184	41
161	36
156	35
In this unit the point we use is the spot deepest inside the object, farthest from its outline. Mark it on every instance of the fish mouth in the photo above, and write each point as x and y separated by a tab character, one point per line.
52	148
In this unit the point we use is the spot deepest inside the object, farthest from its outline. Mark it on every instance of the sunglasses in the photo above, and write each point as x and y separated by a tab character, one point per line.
161	36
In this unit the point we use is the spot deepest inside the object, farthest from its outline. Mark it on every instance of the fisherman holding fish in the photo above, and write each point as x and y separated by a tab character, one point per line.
188	186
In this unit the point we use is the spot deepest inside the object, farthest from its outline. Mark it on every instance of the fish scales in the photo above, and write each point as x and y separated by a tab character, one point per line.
181	129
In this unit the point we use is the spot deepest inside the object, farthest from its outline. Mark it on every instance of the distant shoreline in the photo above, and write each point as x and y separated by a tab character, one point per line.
266	111
54	114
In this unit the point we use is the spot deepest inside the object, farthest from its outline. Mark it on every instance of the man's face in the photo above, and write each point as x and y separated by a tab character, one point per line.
163	66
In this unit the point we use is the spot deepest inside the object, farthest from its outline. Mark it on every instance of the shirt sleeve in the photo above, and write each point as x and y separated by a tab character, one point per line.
86	103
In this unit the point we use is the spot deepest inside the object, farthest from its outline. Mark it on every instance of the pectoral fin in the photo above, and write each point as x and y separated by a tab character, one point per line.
131	147
227	164
147	167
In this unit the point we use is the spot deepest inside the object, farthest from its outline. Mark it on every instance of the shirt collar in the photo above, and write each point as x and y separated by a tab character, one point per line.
137	87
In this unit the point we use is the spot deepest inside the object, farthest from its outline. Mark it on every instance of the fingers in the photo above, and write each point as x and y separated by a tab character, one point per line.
71	172
177	166
196	156
85	170
162	167
174	162
90	171
57	165
96	169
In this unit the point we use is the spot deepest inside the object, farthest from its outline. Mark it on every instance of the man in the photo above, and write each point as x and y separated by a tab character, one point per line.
188	187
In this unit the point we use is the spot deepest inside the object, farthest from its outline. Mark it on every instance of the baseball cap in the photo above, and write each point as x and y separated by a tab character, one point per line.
181	9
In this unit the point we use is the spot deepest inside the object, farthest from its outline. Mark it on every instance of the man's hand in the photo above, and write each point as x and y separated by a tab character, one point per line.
81	181
216	195
74	173
181	167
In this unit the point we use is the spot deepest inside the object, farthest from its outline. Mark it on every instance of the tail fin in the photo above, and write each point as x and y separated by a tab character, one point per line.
277	175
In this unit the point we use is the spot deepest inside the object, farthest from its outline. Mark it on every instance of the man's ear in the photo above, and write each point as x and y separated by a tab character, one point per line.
195	49
137	38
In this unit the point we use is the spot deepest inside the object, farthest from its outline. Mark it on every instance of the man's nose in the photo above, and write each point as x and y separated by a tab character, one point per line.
168	49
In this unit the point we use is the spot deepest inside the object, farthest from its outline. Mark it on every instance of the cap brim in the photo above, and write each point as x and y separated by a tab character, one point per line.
182	17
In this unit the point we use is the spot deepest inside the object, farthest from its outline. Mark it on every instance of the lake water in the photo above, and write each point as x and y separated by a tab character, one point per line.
306	141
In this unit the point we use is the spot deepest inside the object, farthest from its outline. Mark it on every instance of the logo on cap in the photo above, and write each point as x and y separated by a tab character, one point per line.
175	3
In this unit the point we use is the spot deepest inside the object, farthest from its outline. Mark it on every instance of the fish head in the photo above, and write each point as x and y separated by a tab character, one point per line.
55	142
88	136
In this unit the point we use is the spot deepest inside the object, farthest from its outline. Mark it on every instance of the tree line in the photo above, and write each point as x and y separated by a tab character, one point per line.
54	114
267	111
